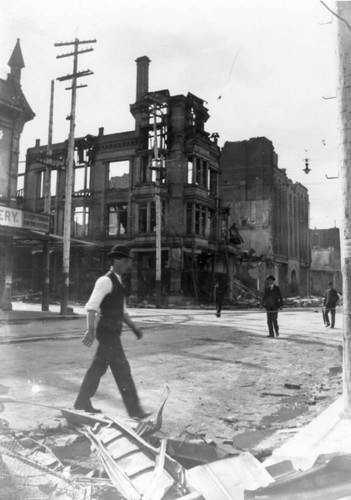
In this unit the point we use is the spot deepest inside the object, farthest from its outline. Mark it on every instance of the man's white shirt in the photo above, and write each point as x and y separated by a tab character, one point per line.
103	287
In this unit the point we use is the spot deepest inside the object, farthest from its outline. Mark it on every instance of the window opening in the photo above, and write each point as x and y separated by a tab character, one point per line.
41	184
142	217
80	221
53	182
117	219
81	178
118	177
190	170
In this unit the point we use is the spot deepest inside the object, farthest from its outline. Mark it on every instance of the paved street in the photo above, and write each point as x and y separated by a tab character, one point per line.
226	378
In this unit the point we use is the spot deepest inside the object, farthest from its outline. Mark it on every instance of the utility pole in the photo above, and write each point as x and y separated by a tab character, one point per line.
344	101
70	162
159	169
47	206
158	214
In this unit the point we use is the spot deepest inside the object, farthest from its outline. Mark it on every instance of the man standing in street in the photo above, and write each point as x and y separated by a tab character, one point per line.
272	301
106	313
331	299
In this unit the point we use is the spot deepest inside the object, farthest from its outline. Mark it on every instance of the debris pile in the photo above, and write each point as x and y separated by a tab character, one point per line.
310	301
29	469
94	457
245	297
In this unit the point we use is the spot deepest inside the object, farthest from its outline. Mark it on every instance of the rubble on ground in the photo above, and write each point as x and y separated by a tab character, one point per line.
310	301
94	457
243	296
97	458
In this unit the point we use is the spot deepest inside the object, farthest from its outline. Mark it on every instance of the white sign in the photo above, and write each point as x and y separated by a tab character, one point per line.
10	217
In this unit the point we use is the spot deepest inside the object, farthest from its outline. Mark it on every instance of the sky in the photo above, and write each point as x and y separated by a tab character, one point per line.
264	67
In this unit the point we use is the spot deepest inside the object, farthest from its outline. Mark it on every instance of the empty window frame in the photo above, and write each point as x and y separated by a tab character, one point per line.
53	182
20	175
118	174
161	129
143	217
199	173
144	170
190	171
199	220
81	178
41	181
212	181
81	155
117	219
147	217
80	221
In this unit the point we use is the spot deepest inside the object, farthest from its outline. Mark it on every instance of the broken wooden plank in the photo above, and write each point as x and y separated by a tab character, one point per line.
153	486
132	472
227	479
33	480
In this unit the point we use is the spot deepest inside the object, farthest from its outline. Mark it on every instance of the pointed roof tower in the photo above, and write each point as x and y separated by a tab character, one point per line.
16	62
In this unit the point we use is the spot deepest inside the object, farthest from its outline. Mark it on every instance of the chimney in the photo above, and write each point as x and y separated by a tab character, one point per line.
142	84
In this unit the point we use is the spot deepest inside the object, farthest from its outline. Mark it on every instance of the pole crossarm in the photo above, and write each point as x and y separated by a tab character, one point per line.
73	53
77	87
61	44
75	75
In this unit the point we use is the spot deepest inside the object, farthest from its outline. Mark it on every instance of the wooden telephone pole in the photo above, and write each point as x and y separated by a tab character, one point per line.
158	216
158	166
344	100
47	206
50	163
70	162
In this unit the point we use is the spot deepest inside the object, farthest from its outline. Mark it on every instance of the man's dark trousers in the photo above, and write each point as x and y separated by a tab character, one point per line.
332	317
110	353
219	303
272	321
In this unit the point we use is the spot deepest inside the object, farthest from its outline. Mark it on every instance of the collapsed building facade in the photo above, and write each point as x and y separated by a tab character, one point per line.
116	179
271	213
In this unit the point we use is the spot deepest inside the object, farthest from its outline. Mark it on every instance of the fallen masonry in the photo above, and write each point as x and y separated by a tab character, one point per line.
90	457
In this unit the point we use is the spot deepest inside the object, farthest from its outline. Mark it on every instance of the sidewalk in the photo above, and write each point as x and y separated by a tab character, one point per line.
23	312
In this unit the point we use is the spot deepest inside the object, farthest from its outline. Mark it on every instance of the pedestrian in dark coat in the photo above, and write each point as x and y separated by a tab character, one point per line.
106	313
331	299
272	301
220	290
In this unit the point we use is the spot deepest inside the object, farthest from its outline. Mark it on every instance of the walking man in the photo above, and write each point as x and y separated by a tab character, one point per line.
272	301
331	299
220	289
106	313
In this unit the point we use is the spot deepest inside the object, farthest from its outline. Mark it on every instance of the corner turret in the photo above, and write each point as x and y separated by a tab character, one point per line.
16	62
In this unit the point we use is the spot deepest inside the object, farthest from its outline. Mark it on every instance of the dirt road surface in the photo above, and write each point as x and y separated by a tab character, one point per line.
228	382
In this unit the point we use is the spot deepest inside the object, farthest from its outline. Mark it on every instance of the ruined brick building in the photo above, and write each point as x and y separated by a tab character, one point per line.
271	213
232	213
115	178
